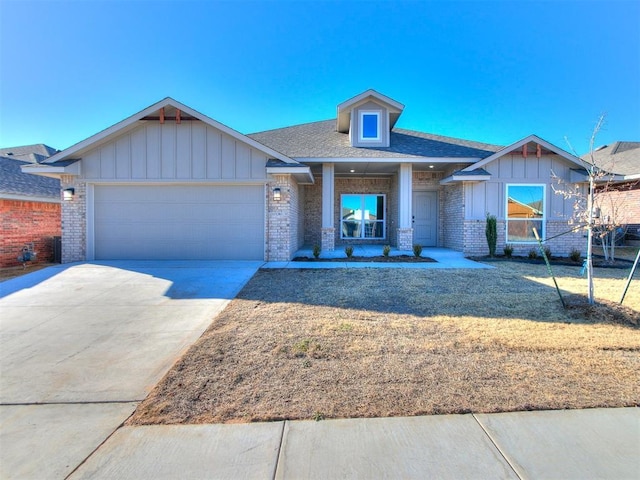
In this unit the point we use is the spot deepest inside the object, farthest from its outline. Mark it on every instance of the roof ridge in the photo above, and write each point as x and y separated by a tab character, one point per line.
291	126
398	130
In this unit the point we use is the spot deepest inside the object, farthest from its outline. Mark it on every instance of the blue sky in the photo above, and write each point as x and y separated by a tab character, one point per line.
486	71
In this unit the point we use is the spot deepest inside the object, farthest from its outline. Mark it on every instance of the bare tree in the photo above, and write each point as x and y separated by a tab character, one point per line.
589	203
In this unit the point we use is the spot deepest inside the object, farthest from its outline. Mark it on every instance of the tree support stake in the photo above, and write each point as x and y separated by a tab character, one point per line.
546	260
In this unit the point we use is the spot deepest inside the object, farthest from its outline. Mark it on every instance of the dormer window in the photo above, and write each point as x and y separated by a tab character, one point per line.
369	124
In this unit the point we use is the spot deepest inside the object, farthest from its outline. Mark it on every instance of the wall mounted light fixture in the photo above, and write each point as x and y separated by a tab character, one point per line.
277	194
68	193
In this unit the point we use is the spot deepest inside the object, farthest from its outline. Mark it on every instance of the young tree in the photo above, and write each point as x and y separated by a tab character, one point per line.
589	202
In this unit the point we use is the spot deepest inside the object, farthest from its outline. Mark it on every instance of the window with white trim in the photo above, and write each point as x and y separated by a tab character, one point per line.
525	210
362	216
369	124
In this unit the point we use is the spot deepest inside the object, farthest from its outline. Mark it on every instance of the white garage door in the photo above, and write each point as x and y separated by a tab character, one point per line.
179	222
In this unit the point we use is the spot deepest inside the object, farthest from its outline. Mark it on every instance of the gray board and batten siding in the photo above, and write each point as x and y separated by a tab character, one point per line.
175	191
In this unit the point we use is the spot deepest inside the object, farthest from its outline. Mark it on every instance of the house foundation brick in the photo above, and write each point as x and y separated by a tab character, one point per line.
328	239
405	238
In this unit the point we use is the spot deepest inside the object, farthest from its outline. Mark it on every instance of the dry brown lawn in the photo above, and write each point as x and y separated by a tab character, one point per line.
301	344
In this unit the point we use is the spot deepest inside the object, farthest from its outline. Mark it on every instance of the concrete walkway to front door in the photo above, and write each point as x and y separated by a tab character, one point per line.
81	345
444	258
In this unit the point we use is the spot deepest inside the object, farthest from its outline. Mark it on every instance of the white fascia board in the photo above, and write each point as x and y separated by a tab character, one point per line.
28	198
127	122
52	171
371	93
524	141
385	159
465	178
292	169
302	173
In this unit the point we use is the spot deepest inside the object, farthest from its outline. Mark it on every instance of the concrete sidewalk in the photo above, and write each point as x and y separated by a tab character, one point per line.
580	444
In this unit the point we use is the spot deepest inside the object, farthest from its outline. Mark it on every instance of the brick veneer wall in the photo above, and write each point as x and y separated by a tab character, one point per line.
453	222
74	223
622	205
312	206
475	241
364	185
283	219
27	222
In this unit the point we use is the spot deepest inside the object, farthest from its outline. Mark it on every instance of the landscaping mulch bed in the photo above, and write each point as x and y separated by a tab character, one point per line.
339	343
378	259
598	261
7	273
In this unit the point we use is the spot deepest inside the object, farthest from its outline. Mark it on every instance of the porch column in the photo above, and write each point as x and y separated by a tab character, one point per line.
405	194
328	229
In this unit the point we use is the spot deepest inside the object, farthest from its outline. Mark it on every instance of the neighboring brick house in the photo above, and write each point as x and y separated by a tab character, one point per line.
29	205
172	183
619	200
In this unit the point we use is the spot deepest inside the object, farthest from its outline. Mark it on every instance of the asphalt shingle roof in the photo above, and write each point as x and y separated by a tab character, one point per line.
622	158
29	153
320	139
13	181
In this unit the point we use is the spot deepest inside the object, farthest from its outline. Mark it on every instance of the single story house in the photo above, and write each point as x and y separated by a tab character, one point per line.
29	205
172	183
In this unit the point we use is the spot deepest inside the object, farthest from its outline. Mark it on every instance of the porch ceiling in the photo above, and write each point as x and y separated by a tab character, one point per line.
379	168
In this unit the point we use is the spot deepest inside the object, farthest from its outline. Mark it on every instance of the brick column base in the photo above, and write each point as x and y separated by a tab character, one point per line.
405	238
328	241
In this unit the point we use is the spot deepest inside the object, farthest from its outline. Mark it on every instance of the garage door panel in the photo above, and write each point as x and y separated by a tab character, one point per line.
179	222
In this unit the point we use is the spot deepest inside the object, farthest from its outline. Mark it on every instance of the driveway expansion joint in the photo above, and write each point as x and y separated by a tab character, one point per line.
497	447
280	453
98	447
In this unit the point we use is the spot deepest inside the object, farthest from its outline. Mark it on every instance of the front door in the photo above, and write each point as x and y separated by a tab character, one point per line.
425	218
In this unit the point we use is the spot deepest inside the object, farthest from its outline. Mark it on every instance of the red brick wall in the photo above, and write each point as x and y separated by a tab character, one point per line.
622	205
27	222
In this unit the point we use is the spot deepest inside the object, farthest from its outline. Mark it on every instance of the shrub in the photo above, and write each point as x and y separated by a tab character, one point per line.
349	251
491	232
385	250
575	255
533	254
417	250
547	252
316	251
508	251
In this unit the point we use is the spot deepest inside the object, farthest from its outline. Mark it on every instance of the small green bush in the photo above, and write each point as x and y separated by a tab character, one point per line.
508	250
316	251
575	255
547	252
417	249
491	232
533	254
385	250
349	251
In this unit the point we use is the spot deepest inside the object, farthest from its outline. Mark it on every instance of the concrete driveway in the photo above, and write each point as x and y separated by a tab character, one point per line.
81	345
